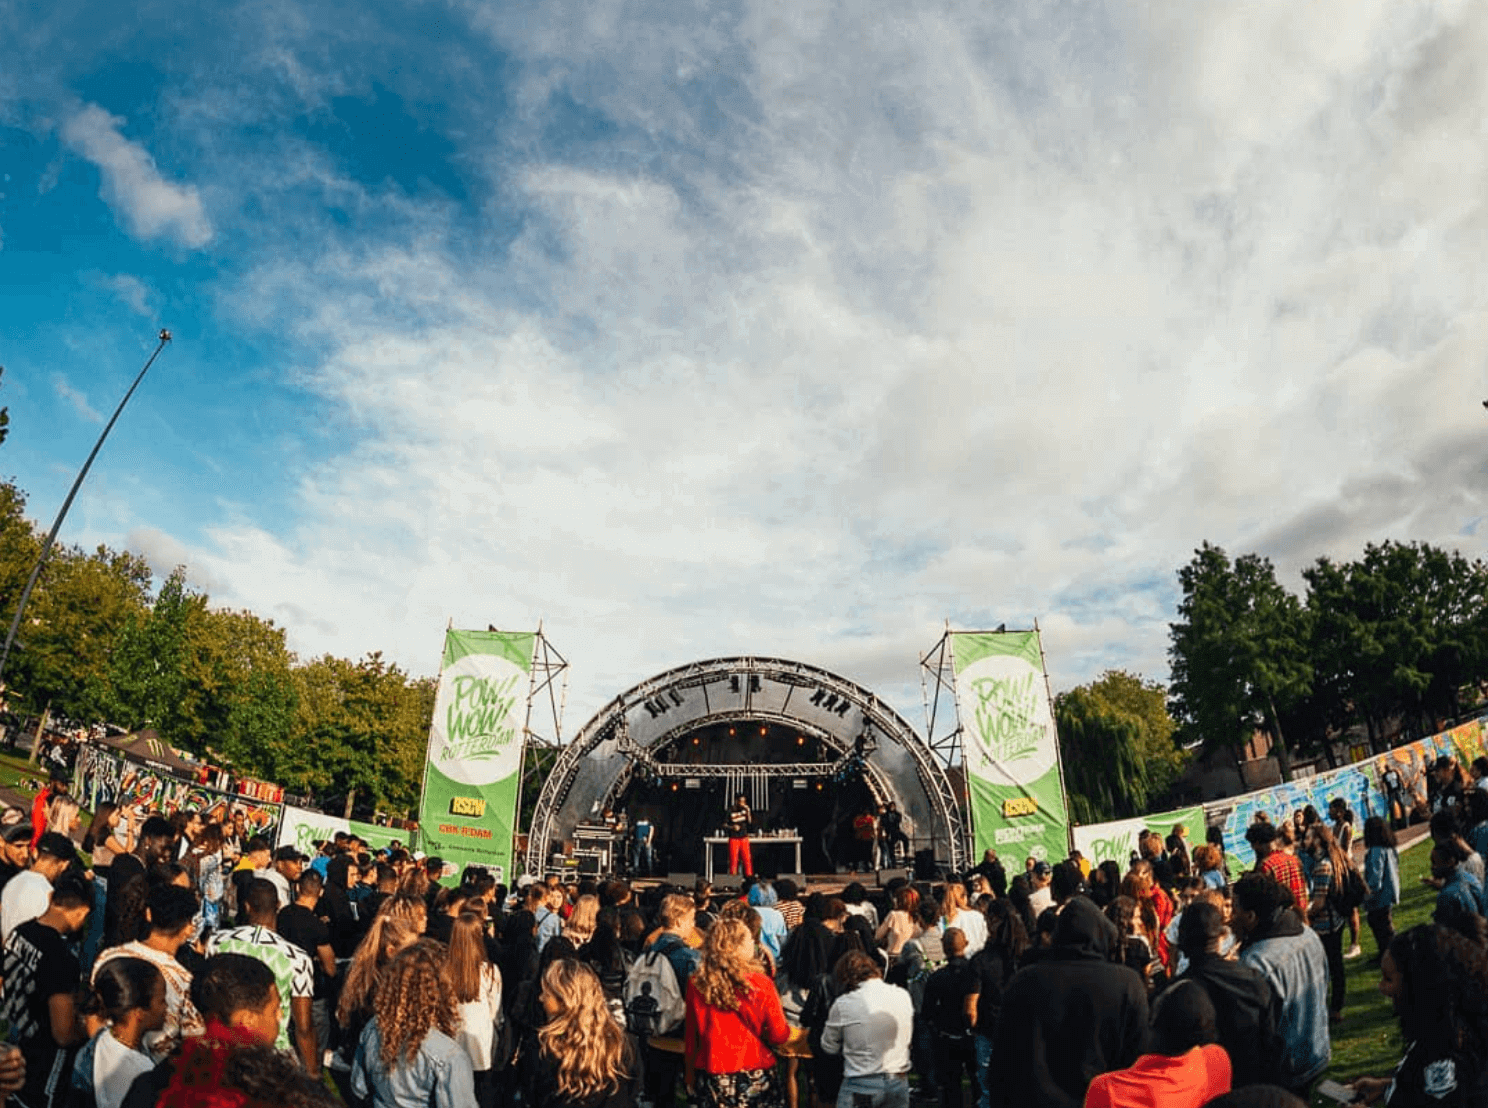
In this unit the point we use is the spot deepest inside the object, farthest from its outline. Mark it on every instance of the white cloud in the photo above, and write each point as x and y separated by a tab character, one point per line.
943	317
132	185
76	398
131	292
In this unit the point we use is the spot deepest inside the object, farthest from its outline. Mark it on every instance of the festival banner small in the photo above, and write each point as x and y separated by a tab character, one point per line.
474	769
1116	841
303	829
1011	750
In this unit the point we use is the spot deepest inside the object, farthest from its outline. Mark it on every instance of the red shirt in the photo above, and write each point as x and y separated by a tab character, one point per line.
727	1042
1288	873
1158	1081
39	815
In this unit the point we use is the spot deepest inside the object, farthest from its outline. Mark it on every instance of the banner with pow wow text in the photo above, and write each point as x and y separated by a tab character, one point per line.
1007	735
474	769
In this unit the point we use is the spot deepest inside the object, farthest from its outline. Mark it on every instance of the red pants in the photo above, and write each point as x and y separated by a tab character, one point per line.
739	853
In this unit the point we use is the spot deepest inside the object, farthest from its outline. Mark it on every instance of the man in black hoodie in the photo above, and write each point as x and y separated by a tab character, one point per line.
1068	1017
1247	1009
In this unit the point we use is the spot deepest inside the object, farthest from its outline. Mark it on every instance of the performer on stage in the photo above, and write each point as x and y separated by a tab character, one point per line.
739	819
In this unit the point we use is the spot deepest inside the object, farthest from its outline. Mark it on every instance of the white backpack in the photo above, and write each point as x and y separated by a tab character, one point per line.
654	1004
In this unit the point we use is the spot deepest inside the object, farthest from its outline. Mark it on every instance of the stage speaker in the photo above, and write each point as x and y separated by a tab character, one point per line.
799	879
885	876
591	863
925	868
682	880
727	883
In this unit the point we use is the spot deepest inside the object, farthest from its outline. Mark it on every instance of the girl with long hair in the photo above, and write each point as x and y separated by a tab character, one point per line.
734	1019
1382	879
110	834
408	1053
901	923
128	998
387	935
206	860
62	815
583	1059
477	985
579	927
1326	913
1138	948
1435	979
956	912
1155	905
607	957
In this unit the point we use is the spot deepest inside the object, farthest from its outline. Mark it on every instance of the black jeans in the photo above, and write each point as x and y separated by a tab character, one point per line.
1382	924
953	1057
1333	947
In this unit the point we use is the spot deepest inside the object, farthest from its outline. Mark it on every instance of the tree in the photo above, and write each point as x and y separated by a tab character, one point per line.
148	675
1238	652
240	693
1117	746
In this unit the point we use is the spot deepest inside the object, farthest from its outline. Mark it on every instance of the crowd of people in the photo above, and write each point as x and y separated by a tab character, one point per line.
174	962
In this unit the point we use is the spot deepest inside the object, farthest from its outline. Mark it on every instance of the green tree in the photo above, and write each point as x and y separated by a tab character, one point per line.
1117	745
239	689
148	674
1239	652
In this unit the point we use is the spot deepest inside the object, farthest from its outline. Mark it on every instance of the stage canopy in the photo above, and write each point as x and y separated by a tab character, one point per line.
808	747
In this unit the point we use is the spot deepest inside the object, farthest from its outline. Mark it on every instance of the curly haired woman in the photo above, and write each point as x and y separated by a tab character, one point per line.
408	1054
734	1019
386	936
583	1059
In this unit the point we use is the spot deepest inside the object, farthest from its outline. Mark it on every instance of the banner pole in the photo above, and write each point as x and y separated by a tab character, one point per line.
1069	841
537	645
424	784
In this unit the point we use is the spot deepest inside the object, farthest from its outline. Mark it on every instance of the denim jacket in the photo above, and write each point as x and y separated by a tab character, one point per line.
438	1077
1382	875
1292	959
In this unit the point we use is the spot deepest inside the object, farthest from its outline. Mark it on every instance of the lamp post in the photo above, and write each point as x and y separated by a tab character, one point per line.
46	547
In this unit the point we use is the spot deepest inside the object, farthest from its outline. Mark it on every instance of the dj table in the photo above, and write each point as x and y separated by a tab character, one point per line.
755	843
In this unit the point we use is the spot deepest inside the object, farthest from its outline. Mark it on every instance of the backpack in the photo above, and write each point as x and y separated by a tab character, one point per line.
1353	892
653	1000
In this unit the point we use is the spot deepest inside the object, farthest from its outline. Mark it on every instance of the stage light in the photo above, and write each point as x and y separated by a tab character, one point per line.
762	730
732	732
800	740
818	786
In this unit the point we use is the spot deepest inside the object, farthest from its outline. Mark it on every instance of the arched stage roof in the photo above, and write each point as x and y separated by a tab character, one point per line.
594	769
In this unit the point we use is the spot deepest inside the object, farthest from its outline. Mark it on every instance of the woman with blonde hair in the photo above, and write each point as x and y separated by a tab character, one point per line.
408	1053
387	935
958	913
62	815
477	985
734	1020
579	927
583	1059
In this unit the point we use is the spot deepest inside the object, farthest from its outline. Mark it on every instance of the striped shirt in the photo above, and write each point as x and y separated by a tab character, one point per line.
294	973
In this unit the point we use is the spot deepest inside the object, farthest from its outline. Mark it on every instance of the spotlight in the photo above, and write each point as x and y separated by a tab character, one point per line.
732	732
800	740
762	730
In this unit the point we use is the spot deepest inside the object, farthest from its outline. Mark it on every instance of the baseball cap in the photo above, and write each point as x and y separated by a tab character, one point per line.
19	833
1042	869
289	854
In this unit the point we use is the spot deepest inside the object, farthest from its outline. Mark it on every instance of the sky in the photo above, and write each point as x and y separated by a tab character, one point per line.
695	329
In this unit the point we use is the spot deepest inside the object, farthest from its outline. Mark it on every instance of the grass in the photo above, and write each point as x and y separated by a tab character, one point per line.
1368	1042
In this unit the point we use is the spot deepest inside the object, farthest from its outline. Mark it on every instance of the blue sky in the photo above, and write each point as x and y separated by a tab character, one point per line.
695	329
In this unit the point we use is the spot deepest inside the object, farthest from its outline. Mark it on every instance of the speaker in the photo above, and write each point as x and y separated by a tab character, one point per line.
591	862
925	868
799	879
885	876
727	883
682	880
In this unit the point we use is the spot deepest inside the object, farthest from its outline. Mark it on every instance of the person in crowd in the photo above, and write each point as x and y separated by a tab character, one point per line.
1435	980
804	959
545	902
128	885
207	864
677	916
901	923
293	970
1069	1016
111	834
993	870
1153	851
1327	910
287	866
579	927
606	955
15	852
40	974
870	1025
855	896
1281	867
1275	941
346	922
128	996
1186	1067
1247	1010
788	900
443	909
1448	784
1209	862
1040	892
643	847
772	923
1214	836
583	1058
300	925
170	918
26	895
1137	944
1458	888
995	965
1154	904
1382	879
1446	828
386	936
955	912
408	1054
950	1009
57	784
476	982
734	1019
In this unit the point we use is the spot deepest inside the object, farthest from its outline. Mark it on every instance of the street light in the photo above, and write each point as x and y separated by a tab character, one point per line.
46	547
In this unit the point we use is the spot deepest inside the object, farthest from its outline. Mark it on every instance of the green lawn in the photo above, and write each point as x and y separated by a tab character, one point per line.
14	769
1368	1040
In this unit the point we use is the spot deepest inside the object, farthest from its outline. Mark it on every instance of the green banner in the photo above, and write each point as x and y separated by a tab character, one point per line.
302	828
1117	841
474	768
1011	752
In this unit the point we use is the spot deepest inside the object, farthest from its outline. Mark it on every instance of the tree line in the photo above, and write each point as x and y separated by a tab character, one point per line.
101	643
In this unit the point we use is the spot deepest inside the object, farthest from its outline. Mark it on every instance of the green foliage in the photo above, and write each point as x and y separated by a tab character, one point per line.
1117	748
148	674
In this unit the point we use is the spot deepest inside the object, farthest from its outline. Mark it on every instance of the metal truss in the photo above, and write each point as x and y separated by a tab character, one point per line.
938	687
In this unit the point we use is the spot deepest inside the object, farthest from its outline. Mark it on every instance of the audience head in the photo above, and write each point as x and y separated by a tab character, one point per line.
1182	1019
238	991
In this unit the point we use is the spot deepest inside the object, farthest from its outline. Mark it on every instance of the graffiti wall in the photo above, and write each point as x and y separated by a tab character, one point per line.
101	775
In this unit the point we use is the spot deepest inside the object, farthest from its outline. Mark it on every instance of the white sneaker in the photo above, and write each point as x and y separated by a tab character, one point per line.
1354	951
